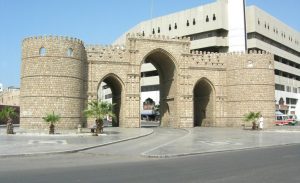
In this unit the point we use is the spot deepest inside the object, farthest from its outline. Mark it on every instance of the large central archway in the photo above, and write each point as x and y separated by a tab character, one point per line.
204	103
166	69
110	89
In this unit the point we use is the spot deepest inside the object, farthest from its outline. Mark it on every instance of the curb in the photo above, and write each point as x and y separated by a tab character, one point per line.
75	150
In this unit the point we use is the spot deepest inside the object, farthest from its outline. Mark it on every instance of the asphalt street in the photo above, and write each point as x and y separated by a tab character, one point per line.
270	165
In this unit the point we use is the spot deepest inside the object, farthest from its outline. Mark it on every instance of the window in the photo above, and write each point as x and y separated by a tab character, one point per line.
158	30
70	52
207	19
143	33
153	31
214	17
258	22
279	87
292	101
42	51
288	88
194	22
187	23
294	90
170	28
175	27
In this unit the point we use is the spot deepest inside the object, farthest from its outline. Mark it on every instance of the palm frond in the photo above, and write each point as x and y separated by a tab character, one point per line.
99	110
51	118
7	112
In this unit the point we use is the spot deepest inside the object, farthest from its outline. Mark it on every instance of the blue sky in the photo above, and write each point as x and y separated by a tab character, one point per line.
94	22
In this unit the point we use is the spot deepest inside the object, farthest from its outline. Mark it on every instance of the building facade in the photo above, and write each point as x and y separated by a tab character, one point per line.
228	26
10	96
197	88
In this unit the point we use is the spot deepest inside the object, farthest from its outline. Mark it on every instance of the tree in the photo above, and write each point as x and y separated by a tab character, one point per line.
52	119
99	110
252	117
6	114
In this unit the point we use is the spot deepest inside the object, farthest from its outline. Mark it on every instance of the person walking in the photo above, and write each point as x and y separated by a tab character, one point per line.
261	122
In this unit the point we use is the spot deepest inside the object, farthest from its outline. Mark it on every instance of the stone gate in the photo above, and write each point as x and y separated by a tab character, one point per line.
62	74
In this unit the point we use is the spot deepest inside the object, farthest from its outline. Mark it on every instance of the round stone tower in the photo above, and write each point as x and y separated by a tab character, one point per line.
53	77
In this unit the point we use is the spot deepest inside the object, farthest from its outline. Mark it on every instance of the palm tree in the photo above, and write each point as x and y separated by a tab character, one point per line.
52	119
99	110
252	117
6	114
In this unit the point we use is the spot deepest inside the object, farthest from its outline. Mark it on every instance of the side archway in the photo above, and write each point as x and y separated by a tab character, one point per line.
111	89
204	103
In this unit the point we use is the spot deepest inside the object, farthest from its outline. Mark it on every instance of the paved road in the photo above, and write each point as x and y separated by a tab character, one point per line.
160	137
269	165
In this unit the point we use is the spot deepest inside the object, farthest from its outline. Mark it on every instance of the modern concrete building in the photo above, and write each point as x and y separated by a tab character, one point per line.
230	26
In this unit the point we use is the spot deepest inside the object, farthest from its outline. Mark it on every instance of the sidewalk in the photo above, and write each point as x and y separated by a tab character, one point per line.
207	140
25	144
196	141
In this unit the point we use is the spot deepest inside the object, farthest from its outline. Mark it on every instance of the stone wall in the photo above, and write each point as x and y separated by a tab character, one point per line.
226	86
52	80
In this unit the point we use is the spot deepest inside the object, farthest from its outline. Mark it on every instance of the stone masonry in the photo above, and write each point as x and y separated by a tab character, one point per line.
62	74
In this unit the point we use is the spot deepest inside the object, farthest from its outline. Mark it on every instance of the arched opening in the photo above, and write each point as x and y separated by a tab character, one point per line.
203	103
158	83
110	90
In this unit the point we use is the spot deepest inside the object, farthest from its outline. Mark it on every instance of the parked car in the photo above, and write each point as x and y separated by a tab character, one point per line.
281	119
292	119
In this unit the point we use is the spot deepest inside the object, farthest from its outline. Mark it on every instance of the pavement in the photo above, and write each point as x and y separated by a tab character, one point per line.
194	141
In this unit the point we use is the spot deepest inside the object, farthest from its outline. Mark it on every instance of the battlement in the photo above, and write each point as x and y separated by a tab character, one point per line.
104	48
50	37
157	37
195	53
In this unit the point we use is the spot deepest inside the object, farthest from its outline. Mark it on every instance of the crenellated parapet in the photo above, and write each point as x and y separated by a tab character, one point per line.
106	52
50	37
233	60
206	60
158	38
49	46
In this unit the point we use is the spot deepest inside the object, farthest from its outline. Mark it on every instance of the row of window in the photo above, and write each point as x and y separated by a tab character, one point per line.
275	30
272	42
193	22
203	35
286	62
287	75
149	88
291	101
42	52
287	88
149	73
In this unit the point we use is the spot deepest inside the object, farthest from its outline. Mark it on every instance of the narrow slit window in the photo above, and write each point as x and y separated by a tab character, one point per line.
214	17
207	19
70	52
170	28
158	30
42	51
194	22
175	27
153	31
187	23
